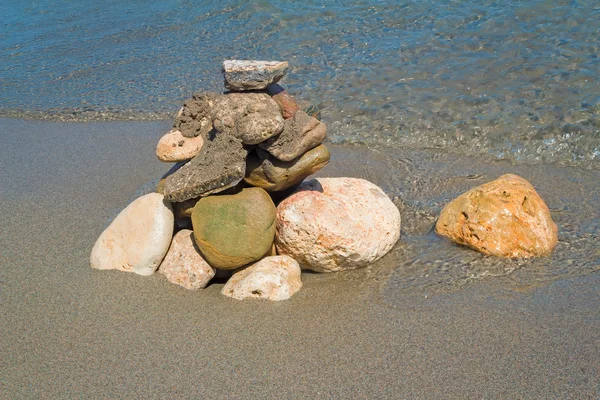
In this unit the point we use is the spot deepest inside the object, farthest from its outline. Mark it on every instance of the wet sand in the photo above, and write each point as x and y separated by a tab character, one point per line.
69	331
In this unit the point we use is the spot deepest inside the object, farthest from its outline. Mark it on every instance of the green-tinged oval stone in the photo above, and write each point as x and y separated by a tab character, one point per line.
234	230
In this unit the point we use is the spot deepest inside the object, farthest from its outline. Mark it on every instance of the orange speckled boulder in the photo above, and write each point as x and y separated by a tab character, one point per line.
505	218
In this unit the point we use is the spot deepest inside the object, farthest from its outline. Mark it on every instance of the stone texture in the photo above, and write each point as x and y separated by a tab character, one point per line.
272	278
336	224
137	239
271	174
221	164
251	74
174	147
234	230
251	117
160	186
300	134
184	209
286	103
505	218
310	108
195	117
183	265
313	110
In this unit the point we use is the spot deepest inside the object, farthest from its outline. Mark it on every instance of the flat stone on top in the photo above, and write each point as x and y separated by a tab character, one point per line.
252	74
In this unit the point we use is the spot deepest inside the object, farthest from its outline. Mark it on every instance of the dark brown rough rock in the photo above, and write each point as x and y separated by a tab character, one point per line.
286	103
251	74
221	164
194	118
251	117
505	218
300	134
271	174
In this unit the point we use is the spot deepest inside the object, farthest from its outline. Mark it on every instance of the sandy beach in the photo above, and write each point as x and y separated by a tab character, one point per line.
392	330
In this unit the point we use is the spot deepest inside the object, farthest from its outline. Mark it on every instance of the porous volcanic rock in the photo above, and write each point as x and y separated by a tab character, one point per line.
174	147
252	74
271	174
336	224
195	117
505	218
286	103
300	134
137	239
272	278
183	265
221	164
234	230
251	117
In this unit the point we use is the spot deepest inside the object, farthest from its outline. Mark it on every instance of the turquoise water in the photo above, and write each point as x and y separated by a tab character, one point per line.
510	80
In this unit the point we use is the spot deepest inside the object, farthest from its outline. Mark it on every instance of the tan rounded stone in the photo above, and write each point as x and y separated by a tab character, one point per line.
271	174
272	278
250	117
300	134
138	238
336	224
505	218
183	265
173	147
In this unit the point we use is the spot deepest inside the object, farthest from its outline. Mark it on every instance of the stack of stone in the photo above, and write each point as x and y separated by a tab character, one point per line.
235	153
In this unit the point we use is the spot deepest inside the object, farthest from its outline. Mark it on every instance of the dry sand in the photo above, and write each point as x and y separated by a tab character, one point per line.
71	332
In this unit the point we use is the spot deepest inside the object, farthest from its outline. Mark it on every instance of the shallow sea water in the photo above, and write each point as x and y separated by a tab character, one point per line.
510	80
422	182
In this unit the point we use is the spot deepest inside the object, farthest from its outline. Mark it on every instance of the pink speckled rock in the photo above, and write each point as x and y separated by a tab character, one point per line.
272	278
336	224
505	218
183	265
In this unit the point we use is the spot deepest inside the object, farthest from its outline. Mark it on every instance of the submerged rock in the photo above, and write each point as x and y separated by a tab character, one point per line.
505	218
336	224
221	164
286	103
183	265
271	174
251	117
174	147
300	134
234	230
313	110
138	238
251	74
272	278
194	118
